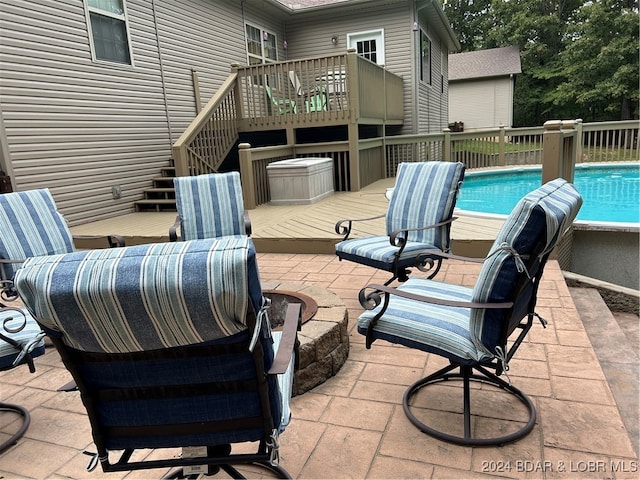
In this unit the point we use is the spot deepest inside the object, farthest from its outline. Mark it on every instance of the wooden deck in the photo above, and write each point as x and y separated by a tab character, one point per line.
301	228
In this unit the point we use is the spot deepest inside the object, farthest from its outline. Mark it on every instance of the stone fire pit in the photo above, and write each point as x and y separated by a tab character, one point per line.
324	341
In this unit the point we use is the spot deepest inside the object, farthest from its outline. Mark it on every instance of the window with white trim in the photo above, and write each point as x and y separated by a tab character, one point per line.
425	58
109	31
369	45
261	45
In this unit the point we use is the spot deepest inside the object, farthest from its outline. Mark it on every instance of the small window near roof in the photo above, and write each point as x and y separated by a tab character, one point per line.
109	31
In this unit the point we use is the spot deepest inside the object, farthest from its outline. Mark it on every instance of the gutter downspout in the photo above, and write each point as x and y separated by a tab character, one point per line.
162	79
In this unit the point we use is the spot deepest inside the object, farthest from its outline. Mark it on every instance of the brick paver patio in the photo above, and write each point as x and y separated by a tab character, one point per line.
353	426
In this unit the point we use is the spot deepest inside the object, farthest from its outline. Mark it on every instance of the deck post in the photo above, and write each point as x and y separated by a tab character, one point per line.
246	176
501	146
446	145
579	140
558	156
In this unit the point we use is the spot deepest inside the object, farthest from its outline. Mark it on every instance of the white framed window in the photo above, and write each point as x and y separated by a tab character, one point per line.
109	31
369	44
425	58
261	45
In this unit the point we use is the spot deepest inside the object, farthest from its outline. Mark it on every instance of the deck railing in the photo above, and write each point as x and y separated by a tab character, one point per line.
315	92
567	143
320	91
203	146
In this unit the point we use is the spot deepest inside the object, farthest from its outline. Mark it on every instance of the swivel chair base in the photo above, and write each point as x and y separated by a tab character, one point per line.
466	375
26	420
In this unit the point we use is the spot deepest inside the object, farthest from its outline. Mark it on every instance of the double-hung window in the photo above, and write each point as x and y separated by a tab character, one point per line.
109	31
425	58
261	45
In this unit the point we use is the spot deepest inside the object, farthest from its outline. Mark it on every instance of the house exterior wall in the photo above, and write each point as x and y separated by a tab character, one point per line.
433	100
80	127
309	35
485	103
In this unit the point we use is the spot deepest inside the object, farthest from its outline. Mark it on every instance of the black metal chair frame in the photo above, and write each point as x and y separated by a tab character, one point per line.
426	261
28	359
465	372
218	457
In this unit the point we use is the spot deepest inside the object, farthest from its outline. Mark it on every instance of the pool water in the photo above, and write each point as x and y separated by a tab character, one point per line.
611	193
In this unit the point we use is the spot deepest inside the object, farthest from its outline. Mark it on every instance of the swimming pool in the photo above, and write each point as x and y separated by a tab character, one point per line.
611	193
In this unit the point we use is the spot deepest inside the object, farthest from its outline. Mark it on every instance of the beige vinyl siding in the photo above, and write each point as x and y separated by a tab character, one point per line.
481	103
202	35
79	127
433	102
309	35
74	125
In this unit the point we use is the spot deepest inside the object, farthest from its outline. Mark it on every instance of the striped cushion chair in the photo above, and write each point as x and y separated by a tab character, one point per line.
209	206
471	327
31	225
418	222
21	340
170	346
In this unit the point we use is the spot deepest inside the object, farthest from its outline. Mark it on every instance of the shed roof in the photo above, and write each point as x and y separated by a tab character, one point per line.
494	62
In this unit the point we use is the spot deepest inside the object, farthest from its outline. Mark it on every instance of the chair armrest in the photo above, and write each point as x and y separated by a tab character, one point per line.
8	293
398	240
452	256
173	234
345	231
173	230
112	239
373	299
288	341
247	223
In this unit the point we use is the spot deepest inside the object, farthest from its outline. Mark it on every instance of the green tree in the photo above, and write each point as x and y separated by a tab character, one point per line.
470	19
598	69
579	57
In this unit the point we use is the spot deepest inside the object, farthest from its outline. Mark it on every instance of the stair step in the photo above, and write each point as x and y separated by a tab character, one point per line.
168	171
160	193
157	204
154	201
163	182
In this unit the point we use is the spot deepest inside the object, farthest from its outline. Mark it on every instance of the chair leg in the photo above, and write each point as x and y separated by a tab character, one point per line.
466	375
26	420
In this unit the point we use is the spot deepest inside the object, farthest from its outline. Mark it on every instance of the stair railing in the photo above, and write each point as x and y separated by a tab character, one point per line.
203	146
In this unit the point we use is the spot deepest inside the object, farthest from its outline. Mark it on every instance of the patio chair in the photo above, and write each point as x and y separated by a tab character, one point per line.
418	222
279	105
315	100
21	340
472	327
209	206
31	225
171	347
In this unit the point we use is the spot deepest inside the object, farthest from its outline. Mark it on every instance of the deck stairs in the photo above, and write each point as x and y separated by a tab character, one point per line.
161	197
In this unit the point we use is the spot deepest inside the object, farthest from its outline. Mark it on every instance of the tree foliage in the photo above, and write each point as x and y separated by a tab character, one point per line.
579	58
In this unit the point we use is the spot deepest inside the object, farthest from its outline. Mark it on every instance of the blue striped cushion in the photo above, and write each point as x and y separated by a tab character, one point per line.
12	320
210	206
377	252
30	225
532	229
438	329
424	194
144	297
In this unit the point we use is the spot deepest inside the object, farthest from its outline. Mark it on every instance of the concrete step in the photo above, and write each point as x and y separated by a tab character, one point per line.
617	354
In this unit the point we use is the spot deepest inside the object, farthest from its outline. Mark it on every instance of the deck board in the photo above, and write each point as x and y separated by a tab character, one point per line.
301	228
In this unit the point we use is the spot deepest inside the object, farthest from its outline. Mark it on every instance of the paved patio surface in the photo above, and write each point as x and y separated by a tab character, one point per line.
353	426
